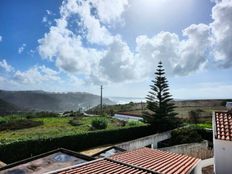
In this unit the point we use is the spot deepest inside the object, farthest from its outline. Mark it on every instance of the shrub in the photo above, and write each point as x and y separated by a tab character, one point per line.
105	115
186	135
2	120
75	122
99	123
120	123
133	123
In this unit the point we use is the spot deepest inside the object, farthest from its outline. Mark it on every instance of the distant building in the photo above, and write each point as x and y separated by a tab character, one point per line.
222	136
127	117
229	105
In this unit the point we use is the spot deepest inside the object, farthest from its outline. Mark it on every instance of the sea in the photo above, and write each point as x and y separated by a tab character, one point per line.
125	100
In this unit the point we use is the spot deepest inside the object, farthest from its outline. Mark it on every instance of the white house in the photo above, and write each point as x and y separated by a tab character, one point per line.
222	135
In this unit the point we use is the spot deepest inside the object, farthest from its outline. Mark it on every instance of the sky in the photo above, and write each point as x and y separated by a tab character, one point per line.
78	45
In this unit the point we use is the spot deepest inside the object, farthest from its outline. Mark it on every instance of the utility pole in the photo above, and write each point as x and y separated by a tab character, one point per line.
101	99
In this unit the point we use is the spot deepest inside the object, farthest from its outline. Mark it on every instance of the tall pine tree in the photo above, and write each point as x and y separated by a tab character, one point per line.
160	104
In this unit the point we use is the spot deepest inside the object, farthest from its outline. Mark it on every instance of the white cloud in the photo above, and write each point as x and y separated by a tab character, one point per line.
161	47
6	66
110	11
36	75
48	12
97	33
118	64
101	56
193	51
37	78
222	33
63	46
0	38
21	49
179	56
45	19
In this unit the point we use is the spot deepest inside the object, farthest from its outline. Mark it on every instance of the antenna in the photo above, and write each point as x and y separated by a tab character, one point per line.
101	99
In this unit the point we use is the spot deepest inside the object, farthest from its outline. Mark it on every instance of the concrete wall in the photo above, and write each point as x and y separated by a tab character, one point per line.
223	156
145	141
207	162
187	149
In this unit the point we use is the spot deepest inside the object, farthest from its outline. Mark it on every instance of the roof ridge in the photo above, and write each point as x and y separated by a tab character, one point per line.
130	165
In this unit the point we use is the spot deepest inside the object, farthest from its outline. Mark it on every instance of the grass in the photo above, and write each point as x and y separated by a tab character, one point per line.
54	127
205	125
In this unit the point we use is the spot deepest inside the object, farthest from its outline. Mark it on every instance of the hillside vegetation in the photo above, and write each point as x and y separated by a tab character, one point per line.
47	101
51	127
7	108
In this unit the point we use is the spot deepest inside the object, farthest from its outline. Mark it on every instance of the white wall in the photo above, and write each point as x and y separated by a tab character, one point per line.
222	153
127	117
223	156
145	141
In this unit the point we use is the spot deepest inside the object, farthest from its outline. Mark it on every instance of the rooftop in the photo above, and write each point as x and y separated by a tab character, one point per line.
46	162
143	160
104	166
158	161
223	125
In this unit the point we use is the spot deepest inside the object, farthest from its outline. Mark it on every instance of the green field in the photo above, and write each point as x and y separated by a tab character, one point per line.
205	125
56	127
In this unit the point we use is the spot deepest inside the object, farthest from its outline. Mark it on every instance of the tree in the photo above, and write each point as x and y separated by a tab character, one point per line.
160	104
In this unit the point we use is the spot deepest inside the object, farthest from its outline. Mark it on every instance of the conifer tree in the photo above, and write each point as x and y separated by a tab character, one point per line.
160	104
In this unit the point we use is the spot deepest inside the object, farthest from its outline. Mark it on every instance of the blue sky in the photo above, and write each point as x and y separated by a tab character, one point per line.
74	45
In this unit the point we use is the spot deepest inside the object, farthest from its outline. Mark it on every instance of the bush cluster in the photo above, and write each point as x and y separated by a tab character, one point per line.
191	134
186	135
99	123
75	122
133	123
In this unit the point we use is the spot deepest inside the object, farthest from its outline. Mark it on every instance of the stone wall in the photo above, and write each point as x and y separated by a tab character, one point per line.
188	149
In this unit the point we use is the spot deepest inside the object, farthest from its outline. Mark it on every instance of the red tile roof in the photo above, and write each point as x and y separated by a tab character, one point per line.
158	161
143	160
104	166
223	123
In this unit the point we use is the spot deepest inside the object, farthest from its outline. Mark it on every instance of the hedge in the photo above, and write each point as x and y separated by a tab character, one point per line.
184	135
23	149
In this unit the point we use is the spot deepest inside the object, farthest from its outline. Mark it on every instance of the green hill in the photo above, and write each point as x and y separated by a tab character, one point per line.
50	101
6	108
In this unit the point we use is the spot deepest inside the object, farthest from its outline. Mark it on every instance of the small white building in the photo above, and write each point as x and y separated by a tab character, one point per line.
127	117
229	105
222	137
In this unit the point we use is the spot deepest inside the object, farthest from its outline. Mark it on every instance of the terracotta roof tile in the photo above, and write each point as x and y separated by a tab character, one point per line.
158	161
223	123
140	161
104	166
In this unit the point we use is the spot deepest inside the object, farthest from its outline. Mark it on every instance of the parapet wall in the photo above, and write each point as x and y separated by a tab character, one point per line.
150	140
188	149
